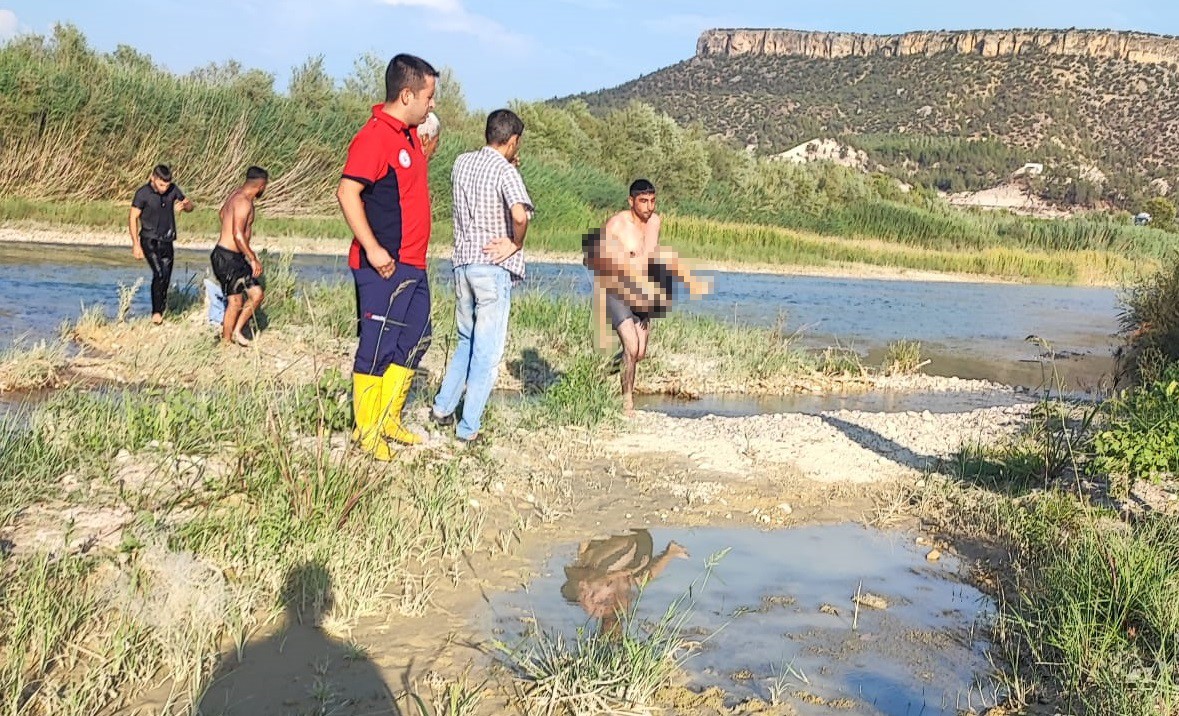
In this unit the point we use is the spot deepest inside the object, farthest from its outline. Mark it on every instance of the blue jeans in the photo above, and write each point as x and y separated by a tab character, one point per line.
483	298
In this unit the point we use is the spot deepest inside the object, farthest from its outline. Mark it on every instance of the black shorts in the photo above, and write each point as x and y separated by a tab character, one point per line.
232	271
620	312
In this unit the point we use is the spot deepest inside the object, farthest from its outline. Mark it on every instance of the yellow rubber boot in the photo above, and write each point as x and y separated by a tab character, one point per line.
394	392
368	405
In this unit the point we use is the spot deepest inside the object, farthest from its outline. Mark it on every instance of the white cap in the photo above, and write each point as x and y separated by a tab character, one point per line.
429	126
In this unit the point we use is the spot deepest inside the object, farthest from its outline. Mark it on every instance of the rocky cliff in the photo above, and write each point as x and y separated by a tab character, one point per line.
1132	46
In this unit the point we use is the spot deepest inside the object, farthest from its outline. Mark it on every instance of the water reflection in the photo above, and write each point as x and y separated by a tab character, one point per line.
607	573
839	614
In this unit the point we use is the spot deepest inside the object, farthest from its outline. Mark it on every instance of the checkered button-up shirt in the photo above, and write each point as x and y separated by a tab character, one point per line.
486	187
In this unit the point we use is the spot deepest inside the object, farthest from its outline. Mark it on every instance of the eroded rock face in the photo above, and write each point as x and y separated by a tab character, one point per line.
1132	46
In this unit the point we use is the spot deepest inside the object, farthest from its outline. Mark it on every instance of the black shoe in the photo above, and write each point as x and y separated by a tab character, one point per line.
444	421
476	439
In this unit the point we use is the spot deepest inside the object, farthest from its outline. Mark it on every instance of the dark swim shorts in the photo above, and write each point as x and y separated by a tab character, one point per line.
620	312
232	271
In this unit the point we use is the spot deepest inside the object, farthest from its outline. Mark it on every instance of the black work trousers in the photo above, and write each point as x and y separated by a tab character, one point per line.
160	256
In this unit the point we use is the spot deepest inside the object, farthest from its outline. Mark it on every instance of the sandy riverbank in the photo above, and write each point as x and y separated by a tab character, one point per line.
532	488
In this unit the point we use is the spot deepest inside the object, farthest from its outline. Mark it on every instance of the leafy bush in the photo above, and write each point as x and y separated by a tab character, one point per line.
1142	438
327	402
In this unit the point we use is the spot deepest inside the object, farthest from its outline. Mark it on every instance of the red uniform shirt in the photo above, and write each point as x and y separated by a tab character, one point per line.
386	156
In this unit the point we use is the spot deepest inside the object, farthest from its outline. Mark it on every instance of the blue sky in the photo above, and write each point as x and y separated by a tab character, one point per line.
513	49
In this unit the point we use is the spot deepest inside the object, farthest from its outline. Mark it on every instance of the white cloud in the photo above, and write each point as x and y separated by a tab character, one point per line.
9	25
451	16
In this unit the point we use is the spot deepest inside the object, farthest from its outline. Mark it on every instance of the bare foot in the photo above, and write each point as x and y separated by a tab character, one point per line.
241	340
157	318
628	406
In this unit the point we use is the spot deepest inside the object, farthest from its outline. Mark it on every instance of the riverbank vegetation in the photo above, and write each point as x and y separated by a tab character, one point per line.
76	148
227	474
1082	504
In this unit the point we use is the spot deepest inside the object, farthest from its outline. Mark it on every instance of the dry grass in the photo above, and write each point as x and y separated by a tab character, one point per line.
34	368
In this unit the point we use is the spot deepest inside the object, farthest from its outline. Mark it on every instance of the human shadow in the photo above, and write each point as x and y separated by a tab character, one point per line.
298	669
882	446
534	372
607	574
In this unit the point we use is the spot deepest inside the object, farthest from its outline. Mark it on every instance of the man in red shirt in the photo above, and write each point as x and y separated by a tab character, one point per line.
386	201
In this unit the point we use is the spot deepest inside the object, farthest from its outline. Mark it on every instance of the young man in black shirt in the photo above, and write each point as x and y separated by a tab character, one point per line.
153	229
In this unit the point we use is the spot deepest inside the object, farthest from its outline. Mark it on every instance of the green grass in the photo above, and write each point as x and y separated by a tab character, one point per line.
265	493
31	367
1089	603
903	357
1150	322
704	239
739	243
1095	611
603	670
202	221
243	484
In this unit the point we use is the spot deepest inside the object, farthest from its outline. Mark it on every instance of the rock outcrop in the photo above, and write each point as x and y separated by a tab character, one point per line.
1131	46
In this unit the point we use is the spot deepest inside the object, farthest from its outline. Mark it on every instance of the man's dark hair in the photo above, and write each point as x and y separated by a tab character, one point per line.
406	72
257	174
641	186
162	171
502	125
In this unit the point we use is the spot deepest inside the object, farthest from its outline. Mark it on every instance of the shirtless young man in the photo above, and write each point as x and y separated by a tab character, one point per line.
235	264
633	280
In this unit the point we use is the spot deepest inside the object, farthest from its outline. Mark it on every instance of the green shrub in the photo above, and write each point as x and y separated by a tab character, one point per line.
1100	610
327	402
1142	438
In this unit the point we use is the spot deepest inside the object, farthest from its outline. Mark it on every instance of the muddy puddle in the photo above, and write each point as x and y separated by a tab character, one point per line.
777	616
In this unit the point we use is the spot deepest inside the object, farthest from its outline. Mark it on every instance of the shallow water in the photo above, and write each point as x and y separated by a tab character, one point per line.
739	404
778	607
973	330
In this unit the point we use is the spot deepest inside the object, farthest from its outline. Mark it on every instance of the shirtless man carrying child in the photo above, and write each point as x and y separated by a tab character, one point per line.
633	279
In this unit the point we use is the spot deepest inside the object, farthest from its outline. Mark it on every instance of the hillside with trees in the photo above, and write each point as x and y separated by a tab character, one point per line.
1104	129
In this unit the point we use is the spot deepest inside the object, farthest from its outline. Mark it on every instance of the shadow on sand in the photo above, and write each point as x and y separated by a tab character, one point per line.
299	669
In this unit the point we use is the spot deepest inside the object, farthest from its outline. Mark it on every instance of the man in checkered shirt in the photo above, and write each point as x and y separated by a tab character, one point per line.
491	213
